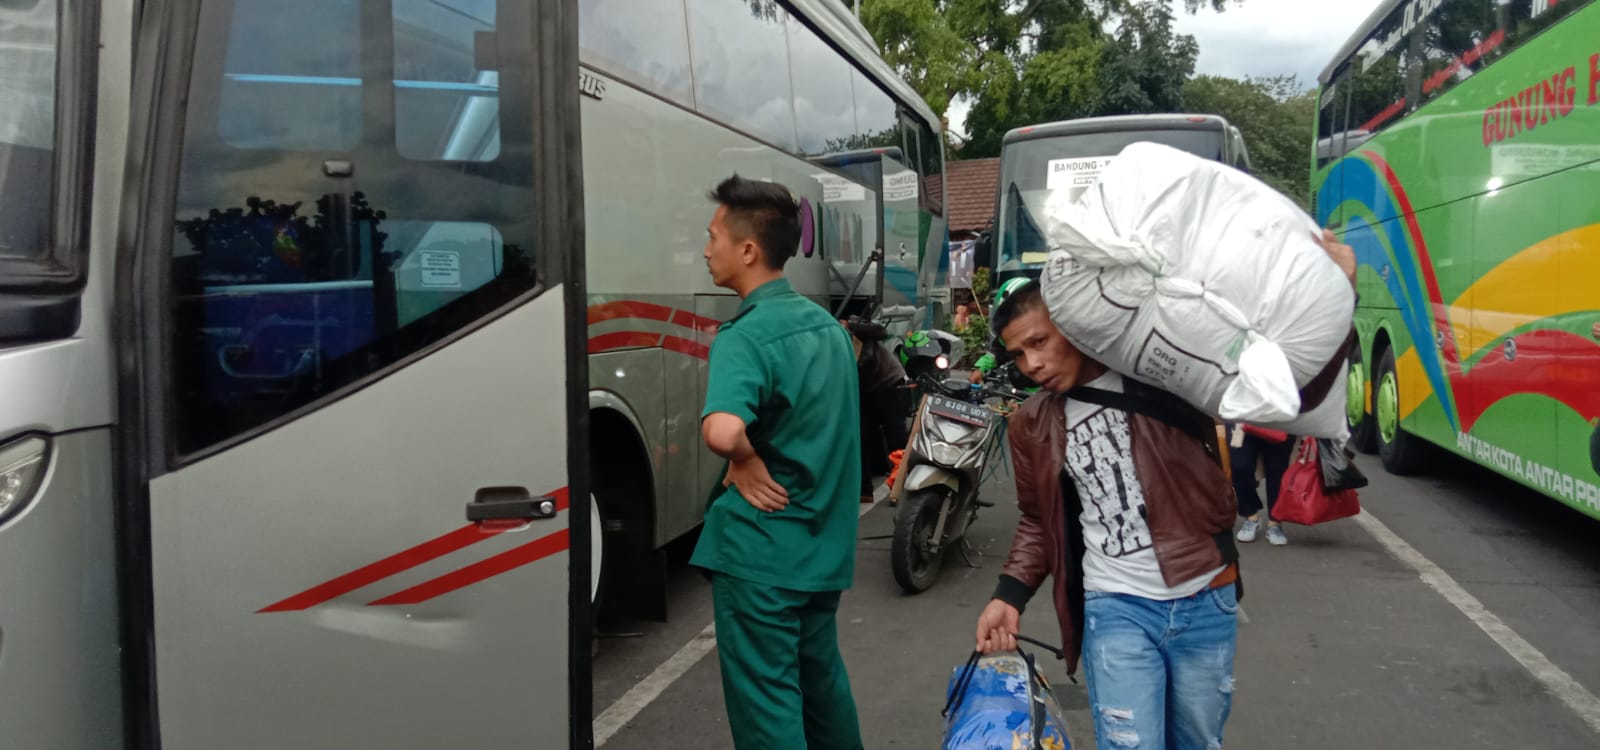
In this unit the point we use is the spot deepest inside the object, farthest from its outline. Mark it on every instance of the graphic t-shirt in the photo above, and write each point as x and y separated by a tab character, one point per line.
1119	556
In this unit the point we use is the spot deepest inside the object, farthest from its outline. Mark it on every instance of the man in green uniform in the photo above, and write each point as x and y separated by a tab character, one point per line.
779	537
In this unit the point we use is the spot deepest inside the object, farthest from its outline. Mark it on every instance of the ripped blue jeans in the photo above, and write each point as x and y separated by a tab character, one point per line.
1160	673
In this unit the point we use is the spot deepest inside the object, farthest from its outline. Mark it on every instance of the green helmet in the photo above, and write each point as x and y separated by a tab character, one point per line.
1005	290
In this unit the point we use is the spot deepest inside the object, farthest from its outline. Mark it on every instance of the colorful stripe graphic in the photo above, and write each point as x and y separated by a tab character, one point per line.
1495	340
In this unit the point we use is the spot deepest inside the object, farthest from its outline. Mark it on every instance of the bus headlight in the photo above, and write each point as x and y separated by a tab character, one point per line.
21	469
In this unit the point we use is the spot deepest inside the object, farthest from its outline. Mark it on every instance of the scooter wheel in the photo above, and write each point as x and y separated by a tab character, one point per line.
915	567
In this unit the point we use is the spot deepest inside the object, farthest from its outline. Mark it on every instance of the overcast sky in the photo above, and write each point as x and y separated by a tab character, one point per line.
1260	38
1273	37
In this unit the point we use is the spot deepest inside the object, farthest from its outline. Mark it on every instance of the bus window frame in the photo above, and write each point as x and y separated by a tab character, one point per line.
40	298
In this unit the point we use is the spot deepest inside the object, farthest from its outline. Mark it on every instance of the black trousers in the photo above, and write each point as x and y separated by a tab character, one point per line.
1243	459
883	431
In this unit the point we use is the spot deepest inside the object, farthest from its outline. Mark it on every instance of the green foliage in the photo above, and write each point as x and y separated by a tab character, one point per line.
975	339
982	284
1030	61
976	335
1276	116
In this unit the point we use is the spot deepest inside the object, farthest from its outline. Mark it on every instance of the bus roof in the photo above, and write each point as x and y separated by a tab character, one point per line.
1115	123
842	158
839	26
1350	46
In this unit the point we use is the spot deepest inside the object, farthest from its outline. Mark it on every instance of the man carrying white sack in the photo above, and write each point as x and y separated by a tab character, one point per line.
1200	280
1126	508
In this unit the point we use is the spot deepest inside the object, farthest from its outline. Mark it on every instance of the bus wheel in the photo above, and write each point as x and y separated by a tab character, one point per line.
1399	450
1358	408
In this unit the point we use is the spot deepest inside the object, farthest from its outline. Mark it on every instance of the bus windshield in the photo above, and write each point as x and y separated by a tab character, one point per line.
1025	180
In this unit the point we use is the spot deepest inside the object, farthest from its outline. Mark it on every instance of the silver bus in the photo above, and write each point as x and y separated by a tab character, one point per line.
1037	159
677	95
316	317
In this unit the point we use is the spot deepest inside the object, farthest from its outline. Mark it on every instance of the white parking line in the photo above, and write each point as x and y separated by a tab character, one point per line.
618	714
1557	681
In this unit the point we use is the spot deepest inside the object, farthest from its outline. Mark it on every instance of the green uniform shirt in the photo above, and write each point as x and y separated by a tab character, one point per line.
786	367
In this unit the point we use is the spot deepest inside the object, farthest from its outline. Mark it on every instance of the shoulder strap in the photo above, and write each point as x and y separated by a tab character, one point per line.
1178	414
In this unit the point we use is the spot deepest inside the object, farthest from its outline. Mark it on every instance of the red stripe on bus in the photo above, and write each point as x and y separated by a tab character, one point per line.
625	309
432	549
636	310
685	346
700	323
511	559
623	340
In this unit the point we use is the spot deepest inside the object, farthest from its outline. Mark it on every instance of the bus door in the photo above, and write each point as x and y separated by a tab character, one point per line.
349	349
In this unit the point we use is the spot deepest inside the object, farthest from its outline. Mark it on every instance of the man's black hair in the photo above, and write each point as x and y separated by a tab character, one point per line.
765	211
1026	299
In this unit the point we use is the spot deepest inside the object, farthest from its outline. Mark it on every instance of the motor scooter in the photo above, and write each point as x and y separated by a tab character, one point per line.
956	440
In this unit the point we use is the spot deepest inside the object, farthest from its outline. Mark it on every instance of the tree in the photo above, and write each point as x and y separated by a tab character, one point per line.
1026	61
1275	115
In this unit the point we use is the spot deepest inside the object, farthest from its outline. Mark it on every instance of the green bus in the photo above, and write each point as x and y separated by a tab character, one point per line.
1458	151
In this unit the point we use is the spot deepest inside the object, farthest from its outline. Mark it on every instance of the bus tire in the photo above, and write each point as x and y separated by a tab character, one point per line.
1358	414
632	573
1400	451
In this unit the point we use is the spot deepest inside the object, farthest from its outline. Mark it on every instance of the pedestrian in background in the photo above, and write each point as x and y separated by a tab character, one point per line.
780	533
1273	449
883	410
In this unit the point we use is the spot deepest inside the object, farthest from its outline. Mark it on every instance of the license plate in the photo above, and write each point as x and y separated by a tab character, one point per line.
977	415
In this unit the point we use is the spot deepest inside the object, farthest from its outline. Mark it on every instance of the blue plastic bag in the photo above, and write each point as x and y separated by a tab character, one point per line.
1002	702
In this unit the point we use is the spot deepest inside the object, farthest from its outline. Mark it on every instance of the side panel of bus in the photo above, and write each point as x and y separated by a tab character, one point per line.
1474	222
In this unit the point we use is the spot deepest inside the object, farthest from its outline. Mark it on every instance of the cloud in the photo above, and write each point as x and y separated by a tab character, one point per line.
1273	37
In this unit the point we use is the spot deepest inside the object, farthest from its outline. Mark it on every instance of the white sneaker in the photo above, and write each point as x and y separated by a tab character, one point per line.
1247	532
1275	535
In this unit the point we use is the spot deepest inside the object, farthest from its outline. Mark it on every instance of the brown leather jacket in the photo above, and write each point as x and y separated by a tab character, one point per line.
1189	504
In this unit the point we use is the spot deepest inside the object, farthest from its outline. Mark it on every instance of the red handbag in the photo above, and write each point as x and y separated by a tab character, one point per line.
1302	498
1265	433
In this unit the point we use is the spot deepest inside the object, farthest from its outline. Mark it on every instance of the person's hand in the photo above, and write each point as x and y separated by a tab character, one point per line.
975	376
997	627
756	485
1343	255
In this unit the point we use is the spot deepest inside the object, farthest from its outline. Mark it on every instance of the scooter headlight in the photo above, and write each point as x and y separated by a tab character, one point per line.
945	453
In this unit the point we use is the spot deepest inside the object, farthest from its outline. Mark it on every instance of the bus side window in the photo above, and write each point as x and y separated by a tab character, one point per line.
741	67
307	99
311	249
824	108
446	107
642	41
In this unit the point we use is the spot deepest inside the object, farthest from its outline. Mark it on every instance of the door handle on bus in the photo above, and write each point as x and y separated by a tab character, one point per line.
510	504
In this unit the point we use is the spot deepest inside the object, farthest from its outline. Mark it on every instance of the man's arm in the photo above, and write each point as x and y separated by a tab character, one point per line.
725	435
1026	566
737	383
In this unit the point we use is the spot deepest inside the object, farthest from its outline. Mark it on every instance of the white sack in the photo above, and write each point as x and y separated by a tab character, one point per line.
1198	279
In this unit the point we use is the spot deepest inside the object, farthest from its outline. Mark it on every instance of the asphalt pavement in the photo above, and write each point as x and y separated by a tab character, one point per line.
1461	613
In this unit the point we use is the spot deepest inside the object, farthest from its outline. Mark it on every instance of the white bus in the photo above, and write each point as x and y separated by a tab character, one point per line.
1069	155
295	350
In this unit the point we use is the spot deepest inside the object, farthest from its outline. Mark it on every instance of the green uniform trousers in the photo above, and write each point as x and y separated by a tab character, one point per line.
783	679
